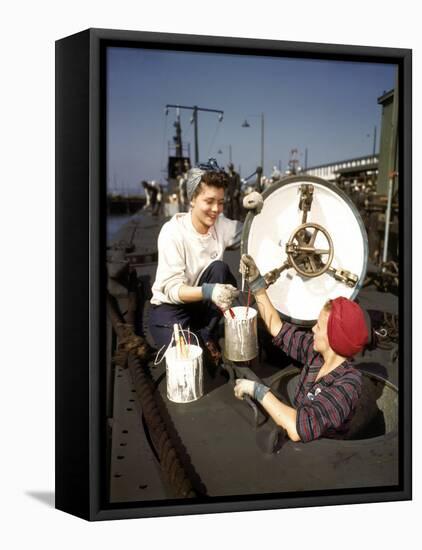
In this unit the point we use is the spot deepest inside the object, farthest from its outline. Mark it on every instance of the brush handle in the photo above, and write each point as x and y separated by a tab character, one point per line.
177	340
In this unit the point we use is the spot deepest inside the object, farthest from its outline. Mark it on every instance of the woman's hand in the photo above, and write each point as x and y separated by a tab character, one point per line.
221	295
253	201
244	387
250	271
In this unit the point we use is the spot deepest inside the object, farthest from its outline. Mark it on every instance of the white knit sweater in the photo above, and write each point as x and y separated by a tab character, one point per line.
184	254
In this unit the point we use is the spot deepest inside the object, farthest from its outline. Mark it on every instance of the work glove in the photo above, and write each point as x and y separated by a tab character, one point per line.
221	295
250	271
253	201
244	387
252	389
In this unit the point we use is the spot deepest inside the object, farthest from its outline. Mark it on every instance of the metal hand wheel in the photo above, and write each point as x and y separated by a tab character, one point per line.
302	254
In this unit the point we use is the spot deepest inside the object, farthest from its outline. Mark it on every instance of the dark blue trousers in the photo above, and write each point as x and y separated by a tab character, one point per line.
201	317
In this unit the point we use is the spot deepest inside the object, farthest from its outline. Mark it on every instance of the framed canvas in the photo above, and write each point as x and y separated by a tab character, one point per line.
313	145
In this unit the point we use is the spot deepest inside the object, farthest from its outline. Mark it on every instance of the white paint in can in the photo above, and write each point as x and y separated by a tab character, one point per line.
184	375
240	334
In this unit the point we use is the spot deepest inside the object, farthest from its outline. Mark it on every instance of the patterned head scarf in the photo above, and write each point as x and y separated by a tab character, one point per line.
195	175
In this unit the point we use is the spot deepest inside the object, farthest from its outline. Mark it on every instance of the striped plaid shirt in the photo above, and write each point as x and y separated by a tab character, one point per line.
324	407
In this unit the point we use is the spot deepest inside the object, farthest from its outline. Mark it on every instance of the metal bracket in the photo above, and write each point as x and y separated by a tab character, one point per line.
346	277
274	274
305	201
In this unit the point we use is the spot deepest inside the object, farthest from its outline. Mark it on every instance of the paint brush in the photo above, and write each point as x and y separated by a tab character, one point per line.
182	335
249	301
183	343
245	273
232	314
177	340
183	349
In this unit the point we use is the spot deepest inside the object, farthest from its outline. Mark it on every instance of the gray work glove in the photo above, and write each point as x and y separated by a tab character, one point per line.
250	271
253	201
221	295
249	387
244	387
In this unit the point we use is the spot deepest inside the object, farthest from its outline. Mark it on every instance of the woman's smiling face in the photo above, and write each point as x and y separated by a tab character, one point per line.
206	207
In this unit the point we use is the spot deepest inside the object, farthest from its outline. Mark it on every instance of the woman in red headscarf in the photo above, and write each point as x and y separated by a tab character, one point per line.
329	386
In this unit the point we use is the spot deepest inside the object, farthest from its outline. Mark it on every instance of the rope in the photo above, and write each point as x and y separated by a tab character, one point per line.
134	352
188	133
129	342
170	460
213	139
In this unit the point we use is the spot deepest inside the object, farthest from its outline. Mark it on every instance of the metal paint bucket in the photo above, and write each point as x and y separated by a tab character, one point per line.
184	374
240	334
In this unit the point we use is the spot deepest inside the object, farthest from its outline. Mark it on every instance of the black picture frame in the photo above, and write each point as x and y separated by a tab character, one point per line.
80	278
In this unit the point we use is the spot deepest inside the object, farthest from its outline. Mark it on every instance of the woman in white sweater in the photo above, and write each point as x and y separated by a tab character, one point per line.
193	285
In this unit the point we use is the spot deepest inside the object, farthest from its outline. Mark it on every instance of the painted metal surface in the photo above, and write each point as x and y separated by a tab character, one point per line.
266	235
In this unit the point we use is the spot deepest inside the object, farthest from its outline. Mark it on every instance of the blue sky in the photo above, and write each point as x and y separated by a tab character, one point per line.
327	107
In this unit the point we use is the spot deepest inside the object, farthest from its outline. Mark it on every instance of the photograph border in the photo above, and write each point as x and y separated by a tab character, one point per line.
80	270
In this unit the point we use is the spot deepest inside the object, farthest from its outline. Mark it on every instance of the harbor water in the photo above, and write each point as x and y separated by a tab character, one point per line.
114	223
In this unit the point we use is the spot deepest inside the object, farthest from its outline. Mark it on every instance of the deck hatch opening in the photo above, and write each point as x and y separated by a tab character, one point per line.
376	413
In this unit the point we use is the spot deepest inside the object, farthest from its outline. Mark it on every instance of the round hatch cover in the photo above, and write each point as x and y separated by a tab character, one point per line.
314	232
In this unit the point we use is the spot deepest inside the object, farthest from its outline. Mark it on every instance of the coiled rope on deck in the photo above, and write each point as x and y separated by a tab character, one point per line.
170	462
129	342
134	352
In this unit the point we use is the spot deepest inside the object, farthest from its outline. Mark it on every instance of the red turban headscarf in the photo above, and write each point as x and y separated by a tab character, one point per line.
347	330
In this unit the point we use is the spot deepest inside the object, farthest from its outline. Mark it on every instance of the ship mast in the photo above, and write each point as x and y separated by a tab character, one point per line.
195	109
178	137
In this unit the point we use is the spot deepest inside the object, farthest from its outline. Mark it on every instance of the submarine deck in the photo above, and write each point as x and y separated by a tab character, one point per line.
223	450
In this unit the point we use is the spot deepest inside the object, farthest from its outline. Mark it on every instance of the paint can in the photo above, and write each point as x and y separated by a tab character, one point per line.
184	371
240	334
